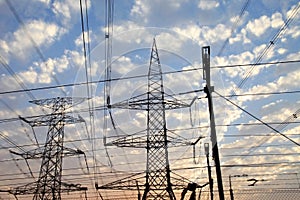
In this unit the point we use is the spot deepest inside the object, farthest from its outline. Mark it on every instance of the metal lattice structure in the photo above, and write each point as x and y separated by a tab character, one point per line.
158	181
49	184
155	101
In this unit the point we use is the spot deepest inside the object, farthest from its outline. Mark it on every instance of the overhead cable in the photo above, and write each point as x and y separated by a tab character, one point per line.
273	129
140	76
272	42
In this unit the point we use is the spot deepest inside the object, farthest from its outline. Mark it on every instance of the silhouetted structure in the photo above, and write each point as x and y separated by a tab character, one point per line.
49	184
156	140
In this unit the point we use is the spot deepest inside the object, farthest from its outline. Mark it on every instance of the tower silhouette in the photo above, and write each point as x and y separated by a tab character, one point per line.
49	184
156	140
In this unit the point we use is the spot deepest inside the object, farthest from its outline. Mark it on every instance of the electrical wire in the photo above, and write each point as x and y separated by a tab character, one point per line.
90	82
272	42
100	108
143	76
88	69
112	175
273	129
236	23
37	49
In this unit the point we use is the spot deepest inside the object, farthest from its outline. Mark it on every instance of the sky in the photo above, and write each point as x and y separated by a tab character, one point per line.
254	58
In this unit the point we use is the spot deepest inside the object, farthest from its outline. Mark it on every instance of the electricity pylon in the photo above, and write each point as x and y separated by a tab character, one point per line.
156	141
49	184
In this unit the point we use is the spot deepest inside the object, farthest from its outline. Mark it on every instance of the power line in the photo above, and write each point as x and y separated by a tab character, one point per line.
100	108
272	42
236	23
143	76
16	77
111	174
275	130
37	49
256	135
173	130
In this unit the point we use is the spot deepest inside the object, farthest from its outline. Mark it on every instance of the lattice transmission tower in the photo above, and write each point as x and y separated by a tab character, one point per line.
49	184
159	184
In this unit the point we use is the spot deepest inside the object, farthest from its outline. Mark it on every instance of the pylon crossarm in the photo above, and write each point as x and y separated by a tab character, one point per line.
179	182
67	102
29	188
130	141
69	187
32	154
135	141
52	119
72	152
177	142
141	102
127	183
135	103
38	153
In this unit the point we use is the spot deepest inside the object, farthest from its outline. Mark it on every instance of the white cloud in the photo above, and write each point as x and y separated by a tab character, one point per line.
8	83
245	57
123	65
282	50
43	72
4	46
191	30
140	8
219	32
294	32
66	10
164	38
259	49
208	4
276	20
205	35
259	26
55	65
44	78
285	82
271	114
143	9
291	11
270	107
79	39
75	57
29	76
131	32
22	42
242	36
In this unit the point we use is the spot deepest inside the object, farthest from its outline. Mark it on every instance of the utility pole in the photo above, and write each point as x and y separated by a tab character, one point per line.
230	184
211	181
49	184
208	89
230	189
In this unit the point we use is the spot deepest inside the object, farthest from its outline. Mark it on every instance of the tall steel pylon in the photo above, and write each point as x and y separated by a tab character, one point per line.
158	181
49	184
158	173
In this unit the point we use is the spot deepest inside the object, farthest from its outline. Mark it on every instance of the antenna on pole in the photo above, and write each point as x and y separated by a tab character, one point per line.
208	89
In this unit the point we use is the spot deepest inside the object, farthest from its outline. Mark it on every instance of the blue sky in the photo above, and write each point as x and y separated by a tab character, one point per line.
41	42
